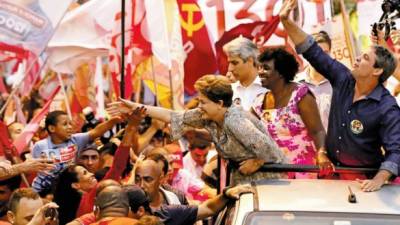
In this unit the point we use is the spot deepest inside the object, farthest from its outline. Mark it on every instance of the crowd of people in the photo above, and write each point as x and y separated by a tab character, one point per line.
179	167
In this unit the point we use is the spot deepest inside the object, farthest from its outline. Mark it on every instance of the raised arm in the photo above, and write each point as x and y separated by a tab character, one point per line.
296	34
103	127
125	107
145	138
30	165
129	140
328	67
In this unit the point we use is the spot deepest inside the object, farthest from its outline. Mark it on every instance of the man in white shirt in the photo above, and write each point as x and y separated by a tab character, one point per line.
199	153
242	64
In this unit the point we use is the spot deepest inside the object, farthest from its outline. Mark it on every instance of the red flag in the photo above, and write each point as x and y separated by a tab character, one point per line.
10	52
260	31
200	57
23	139
6	146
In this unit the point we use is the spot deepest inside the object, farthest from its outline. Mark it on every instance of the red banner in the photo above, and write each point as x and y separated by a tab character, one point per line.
259	31
200	58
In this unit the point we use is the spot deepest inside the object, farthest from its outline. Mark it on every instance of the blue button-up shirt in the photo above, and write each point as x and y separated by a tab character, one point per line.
357	130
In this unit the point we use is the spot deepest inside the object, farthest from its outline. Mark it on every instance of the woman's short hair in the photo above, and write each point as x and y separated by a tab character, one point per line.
216	88
284	62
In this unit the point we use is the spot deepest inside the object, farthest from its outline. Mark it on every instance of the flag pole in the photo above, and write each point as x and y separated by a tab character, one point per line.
65	95
154	80
347	32
122	82
171	88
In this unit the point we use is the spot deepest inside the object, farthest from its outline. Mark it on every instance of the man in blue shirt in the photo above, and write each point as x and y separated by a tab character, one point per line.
364	116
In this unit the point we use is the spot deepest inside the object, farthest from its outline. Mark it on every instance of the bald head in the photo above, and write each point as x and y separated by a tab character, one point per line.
149	165
112	201
149	176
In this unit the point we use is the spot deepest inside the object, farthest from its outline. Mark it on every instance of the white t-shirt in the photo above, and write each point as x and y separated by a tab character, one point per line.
246	95
190	165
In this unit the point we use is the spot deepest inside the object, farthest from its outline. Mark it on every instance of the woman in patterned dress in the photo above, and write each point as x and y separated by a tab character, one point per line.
239	137
290	112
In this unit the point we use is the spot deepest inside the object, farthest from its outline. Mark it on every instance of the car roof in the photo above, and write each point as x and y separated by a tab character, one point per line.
323	196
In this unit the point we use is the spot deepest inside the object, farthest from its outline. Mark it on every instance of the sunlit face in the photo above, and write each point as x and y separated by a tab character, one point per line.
364	64
148	177
268	75
63	128
209	108
86	179
90	159
26	209
239	68
15	130
199	156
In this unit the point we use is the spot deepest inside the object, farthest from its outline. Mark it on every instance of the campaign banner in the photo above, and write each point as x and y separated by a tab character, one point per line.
30	23
59	155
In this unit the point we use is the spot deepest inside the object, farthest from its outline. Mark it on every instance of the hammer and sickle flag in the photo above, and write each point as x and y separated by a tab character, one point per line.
200	58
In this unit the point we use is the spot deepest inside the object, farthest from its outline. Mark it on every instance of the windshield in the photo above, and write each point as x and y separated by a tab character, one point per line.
320	218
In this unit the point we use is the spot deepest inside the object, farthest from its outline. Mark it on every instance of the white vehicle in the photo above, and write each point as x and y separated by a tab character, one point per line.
309	202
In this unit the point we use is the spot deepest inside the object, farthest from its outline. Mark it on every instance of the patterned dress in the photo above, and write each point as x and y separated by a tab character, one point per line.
289	131
243	136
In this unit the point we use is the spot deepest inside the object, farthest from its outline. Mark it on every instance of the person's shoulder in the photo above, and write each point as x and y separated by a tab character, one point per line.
79	136
388	101
234	112
42	144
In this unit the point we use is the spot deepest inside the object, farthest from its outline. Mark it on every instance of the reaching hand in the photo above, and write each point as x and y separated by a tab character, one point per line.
235	192
287	7
121	107
136	116
371	185
250	166
37	165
